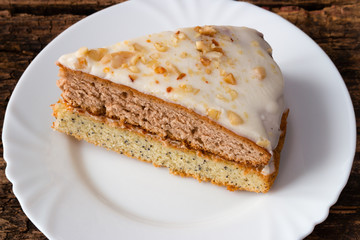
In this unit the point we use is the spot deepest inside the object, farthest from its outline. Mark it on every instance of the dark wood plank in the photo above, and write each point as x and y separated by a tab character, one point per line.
26	27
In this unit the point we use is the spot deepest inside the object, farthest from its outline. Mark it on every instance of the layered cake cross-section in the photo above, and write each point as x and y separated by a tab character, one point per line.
205	102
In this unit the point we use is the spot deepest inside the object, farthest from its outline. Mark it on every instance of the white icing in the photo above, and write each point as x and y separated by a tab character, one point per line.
256	98
269	168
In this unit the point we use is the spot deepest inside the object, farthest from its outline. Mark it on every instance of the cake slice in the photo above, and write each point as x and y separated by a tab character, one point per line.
205	102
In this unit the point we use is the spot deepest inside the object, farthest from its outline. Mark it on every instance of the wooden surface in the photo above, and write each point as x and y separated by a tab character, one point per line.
27	26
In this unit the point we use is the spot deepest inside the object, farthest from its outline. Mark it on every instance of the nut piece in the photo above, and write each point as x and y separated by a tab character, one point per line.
137	47
206	30
173	68
259	73
134	60
81	52
233	93
97	54
215	42
206	62
120	58
177	37
187	88
263	143
202	47
155	56
234	118
181	76
214	114
81	63
214	55
222	98
132	77
106	59
183	54
229	78
160	47
180	35
106	70
160	70
134	69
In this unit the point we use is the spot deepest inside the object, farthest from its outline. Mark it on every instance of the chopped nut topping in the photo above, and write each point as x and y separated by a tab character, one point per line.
269	50
160	47
214	114
233	93
120	58
222	98
175	41
234	118
81	63
143	60
183	55
222	72
82	52
205	61
155	56
181	76
259	73
160	70
206	30
169	89
137	47
134	60
173	68
106	70
97	54
152	64
106	59
134	69
188	88
213	55
263	143
229	78
215	42
132	77
202	47
218	49
180	35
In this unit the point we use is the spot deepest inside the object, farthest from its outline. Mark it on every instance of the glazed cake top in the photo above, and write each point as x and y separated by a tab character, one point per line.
223	72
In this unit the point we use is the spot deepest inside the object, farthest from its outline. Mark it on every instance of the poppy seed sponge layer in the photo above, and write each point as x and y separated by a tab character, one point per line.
179	160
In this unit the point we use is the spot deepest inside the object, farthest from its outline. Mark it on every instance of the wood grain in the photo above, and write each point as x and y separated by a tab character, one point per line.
26	27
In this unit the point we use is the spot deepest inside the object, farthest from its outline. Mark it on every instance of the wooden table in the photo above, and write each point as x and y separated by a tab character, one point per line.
27	26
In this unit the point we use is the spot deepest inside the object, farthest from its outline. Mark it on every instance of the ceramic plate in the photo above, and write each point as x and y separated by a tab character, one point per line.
74	190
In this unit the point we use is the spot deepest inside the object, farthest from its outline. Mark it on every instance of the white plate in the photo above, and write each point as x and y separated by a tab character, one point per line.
74	190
